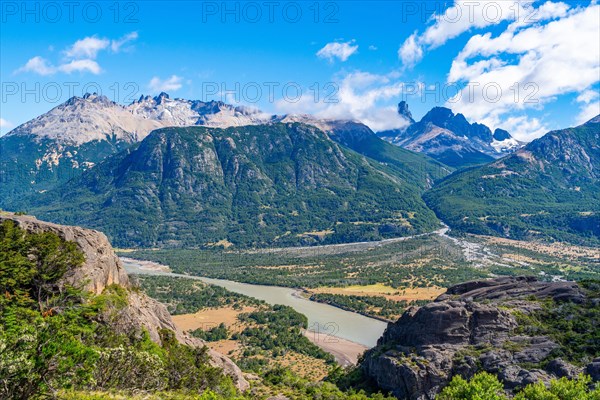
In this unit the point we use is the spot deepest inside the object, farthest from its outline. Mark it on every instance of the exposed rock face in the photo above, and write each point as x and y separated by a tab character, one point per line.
405	112
450	138
103	268
467	330
183	187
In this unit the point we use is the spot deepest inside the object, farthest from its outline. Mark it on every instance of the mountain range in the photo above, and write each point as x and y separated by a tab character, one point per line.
81	132
274	184
176	172
450	138
549	189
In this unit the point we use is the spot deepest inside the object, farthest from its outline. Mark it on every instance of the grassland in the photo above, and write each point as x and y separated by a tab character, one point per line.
402	271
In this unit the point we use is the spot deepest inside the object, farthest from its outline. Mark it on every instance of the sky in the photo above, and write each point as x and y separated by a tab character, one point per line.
527	67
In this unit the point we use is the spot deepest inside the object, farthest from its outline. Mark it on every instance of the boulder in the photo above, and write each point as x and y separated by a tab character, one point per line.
468	329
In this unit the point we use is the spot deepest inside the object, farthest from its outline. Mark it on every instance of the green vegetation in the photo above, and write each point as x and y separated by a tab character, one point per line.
276	331
271	331
21	153
550	191
485	386
418	262
573	326
51	338
284	184
295	387
374	306
213	334
186	296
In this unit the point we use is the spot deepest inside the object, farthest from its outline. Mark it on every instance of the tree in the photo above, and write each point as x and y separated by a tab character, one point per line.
483	386
561	389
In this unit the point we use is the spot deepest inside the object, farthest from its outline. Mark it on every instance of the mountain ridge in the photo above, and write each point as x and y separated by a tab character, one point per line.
253	185
450	138
547	190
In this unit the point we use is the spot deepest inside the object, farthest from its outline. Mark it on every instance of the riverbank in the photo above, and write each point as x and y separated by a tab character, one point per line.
348	325
346	353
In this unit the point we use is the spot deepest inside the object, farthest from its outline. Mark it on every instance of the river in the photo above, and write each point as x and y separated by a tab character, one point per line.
331	322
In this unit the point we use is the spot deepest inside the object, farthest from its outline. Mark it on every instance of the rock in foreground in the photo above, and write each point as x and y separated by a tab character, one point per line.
103	268
483	326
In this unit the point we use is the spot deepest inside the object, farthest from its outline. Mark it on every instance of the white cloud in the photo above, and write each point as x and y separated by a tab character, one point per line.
466	15
4	124
588	112
79	56
411	52
81	66
359	97
117	44
171	84
588	96
372	47
545	61
87	47
37	65
341	51
40	66
520	127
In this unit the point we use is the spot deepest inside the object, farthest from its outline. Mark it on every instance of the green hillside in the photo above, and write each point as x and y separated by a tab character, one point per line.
30	164
549	190
279	184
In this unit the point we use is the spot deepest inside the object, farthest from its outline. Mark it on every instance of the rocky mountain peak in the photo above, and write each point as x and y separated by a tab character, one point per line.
161	98
439	116
405	112
501	134
450	138
595	120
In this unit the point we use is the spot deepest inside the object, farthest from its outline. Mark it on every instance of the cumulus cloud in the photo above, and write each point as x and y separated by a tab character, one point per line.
170	84
588	96
117	45
37	65
360	96
81	66
529	65
465	15
87	47
78	57
411	52
339	50
41	66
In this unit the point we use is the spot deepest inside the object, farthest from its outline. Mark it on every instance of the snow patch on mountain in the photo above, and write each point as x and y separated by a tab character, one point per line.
506	146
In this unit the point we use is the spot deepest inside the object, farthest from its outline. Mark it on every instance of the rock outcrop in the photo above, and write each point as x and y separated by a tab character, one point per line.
470	328
102	268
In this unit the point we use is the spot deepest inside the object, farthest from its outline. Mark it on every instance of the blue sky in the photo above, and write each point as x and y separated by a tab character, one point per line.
527	68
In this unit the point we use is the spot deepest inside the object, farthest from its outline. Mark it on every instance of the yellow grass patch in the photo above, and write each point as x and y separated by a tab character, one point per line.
408	294
318	234
207	319
224	243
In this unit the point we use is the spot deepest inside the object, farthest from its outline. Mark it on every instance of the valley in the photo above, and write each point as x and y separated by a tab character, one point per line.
300	201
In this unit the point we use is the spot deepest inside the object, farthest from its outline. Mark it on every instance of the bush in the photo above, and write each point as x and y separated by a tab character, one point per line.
482	386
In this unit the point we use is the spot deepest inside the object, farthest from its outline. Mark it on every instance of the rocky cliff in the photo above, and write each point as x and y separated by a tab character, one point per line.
103	268
484	325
